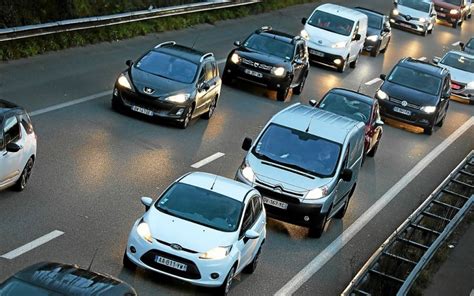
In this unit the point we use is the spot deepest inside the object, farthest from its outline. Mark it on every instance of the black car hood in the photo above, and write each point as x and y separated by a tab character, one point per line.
161	85
263	58
373	31
408	94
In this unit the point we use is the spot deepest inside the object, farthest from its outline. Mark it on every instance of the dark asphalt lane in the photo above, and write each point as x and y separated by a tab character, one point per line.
94	164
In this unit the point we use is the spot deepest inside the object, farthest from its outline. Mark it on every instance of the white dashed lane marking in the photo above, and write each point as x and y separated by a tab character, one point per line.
32	245
373	81
456	43
207	160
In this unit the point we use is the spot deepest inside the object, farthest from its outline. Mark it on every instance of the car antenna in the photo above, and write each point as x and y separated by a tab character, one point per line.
92	261
213	183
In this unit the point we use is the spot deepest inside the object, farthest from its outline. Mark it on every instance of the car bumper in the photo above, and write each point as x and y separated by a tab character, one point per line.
417	117
413	25
447	17
265	79
332	57
463	95
198	270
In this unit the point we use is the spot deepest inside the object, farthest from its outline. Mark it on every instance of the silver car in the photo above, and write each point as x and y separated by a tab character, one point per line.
414	15
305	163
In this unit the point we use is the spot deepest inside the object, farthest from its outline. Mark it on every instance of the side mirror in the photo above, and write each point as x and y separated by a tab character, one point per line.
357	37
205	86
247	144
462	45
129	63
436	60
251	234
346	175
13	147
386	29
395	2
313	103
237	43
147	202
383	76
299	61
379	122
304	20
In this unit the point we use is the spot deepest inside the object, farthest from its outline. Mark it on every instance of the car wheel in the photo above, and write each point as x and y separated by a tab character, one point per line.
226	78
224	289
187	118
212	109
386	46
469	16
353	65
282	94
374	149
253	265
342	68
441	122
116	105
428	130
317	230
127	263
375	51
340	214
20	184
299	89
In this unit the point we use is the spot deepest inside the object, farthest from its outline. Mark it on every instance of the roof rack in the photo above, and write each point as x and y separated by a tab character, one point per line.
166	43
265	28
205	56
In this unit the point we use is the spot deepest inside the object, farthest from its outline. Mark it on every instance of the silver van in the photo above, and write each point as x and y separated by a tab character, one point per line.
305	163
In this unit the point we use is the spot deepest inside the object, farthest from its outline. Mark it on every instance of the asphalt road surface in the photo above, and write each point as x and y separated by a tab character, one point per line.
94	164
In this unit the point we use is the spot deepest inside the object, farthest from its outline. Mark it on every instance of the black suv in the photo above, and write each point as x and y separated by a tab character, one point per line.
273	59
379	31
170	81
415	92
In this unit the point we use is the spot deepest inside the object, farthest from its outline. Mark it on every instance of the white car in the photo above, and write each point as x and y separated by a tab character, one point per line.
204	229
414	15
17	146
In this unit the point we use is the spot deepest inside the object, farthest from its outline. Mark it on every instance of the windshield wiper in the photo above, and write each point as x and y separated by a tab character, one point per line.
288	165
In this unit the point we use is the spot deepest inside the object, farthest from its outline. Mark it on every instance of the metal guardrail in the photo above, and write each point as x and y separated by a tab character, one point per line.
394	267
22	32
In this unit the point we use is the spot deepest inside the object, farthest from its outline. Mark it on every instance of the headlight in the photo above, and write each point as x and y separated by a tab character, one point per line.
144	232
278	71
123	81
180	98
341	44
381	95
235	58
248	173
453	11
470	85
304	34
373	38
422	19
216	253
317	193
395	12
428	109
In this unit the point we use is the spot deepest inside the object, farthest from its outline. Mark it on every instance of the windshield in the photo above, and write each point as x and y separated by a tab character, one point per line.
168	66
298	150
458	61
14	287
268	45
415	79
416	4
201	206
331	23
346	106
454	2
375	21
470	44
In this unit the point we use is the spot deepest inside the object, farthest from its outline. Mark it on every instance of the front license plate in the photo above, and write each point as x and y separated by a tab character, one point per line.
253	73
402	111
317	53
441	14
171	263
142	110
275	203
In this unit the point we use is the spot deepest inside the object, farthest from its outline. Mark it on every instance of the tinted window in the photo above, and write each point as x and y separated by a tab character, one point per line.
298	150
331	23
26	122
470	44
454	2
269	45
300	51
215	70
209	71
14	287
168	66
416	4
11	130
201	206
257	206
346	106
247	221
458	61
415	79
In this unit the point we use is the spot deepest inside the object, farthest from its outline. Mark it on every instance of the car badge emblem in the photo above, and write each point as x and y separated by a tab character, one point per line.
148	90
404	103
320	41
278	188
176	247
256	64
408	17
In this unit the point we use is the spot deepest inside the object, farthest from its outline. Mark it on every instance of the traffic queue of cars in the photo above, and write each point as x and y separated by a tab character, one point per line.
302	168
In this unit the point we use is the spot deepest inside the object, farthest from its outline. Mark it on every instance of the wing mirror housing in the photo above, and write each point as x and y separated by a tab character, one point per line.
237	43
304	20
251	234
313	103
383	76
13	147
247	144
346	175
299	61
379	122
205	86
147	202
357	37
436	60
462	45
386	29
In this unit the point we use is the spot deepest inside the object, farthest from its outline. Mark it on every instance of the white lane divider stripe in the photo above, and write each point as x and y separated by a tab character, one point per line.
207	160
32	245
422	59
330	251
373	81
456	43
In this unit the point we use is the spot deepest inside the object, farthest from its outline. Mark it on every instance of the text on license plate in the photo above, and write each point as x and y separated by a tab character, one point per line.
253	73
402	111
317	53
142	110
441	14
275	203
171	263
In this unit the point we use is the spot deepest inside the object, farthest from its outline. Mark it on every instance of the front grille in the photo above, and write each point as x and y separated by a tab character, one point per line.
257	65
276	195
192	272
399	102
170	244
144	101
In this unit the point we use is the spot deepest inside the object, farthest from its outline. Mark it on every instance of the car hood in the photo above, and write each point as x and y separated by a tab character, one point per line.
161	86
408	94
459	75
320	37
445	4
263	58
412	12
187	234
373	31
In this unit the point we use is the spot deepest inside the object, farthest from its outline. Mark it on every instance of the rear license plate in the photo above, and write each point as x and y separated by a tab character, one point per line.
275	203
142	110
402	111
317	53
441	14
171	263
253	73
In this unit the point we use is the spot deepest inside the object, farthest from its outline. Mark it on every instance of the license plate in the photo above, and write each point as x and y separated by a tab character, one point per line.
275	203
402	111
405	25
317	53
171	263
142	110
253	73
441	14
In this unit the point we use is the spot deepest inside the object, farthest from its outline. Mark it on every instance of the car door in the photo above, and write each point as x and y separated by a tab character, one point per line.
246	246
204	94
298	63
10	162
385	35
342	187
445	94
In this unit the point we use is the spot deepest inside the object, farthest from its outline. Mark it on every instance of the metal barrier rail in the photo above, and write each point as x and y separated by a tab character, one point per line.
394	267
22	32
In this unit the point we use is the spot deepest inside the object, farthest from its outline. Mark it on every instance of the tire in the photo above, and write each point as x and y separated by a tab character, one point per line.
353	64
226	79
428	130
249	269
373	151
424	33
20	184
342	68
282	94
127	263
224	289
386	46
299	89
212	109
187	118
317	230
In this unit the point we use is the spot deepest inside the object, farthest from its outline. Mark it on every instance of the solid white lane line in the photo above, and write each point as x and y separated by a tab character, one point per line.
456	43
31	245
422	59
330	251
207	160
71	103
373	81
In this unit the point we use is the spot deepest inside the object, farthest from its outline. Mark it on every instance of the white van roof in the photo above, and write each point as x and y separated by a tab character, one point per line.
342	11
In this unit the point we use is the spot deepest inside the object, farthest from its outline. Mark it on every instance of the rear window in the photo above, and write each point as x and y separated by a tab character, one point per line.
453	2
332	23
415	79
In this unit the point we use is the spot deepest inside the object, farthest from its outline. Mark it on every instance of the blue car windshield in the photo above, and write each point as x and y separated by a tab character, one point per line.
271	46
168	66
346	106
331	22
416	4
415	79
201	206
298	150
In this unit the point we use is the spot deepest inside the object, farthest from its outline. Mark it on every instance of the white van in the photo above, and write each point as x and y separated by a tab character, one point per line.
335	35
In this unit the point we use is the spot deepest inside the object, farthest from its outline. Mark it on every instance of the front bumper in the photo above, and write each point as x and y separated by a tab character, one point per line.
416	117
370	45
411	25
328	56
264	79
445	16
463	94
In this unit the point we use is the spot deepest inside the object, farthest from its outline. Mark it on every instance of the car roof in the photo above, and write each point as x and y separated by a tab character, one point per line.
7	106
353	94
228	187
342	11
323	124
72	280
423	66
182	51
363	10
282	36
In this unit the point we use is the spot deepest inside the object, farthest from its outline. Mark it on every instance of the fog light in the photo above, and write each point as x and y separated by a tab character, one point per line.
214	275
116	92
337	61
278	85
180	112
133	250
306	218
